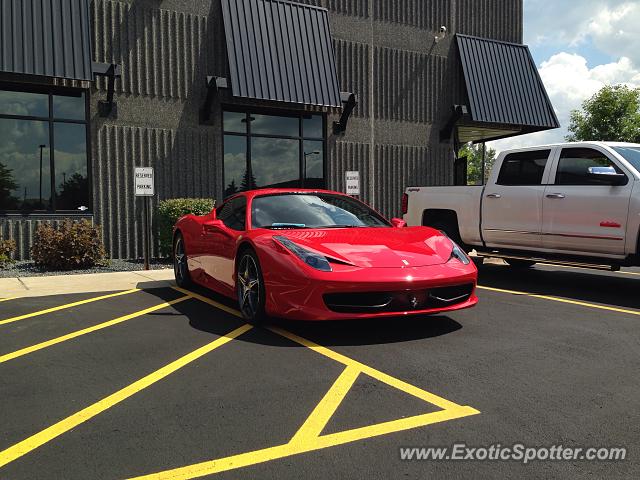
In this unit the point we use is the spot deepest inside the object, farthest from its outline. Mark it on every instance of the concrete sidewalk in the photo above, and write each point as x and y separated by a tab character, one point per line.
84	283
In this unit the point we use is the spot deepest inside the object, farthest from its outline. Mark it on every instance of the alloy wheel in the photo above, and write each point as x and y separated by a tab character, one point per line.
249	287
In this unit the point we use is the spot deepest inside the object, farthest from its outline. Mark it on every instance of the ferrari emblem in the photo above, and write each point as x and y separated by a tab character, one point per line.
414	301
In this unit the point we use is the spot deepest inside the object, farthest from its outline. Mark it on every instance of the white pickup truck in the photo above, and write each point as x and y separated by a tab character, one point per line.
573	204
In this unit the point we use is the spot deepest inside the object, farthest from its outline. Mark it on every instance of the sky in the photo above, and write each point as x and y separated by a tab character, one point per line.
579	46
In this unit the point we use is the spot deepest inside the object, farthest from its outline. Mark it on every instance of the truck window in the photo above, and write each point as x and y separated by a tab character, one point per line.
523	168
573	167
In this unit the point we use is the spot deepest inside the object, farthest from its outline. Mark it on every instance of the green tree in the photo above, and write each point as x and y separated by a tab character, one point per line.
474	162
612	114
7	185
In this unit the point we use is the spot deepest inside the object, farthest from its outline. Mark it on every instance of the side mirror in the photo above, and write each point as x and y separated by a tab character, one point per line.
608	176
398	223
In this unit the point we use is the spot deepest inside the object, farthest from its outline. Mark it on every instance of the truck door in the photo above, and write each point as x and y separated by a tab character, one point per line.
512	203
584	212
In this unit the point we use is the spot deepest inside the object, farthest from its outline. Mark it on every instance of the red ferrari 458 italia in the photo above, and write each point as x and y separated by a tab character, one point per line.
320	255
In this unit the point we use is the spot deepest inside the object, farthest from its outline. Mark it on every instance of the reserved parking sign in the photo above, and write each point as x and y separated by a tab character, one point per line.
144	182
353	182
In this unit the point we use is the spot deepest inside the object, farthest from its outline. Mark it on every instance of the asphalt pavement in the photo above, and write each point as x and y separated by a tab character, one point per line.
172	384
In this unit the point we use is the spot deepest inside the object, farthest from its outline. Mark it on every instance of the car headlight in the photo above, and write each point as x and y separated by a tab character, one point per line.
459	254
314	260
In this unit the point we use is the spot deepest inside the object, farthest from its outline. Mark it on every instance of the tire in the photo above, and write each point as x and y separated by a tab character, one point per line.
180	266
514	263
250	288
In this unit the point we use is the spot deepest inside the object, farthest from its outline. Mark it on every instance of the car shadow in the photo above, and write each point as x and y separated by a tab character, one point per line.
207	318
593	286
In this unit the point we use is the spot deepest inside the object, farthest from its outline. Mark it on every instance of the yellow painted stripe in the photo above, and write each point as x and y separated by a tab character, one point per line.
67	305
84	331
622	272
383	377
273	453
561	300
313	425
6	298
48	434
213	303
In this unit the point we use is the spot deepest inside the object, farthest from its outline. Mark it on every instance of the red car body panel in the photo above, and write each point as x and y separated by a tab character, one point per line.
409	259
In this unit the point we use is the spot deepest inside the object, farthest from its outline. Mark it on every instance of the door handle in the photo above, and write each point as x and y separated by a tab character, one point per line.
556	195
494	195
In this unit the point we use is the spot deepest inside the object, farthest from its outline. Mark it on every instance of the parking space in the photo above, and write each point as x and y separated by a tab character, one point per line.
173	384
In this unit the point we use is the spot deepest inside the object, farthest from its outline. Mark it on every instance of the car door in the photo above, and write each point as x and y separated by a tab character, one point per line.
582	212
512	203
220	242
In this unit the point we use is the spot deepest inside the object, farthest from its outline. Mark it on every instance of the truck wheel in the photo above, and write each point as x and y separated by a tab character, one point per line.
519	263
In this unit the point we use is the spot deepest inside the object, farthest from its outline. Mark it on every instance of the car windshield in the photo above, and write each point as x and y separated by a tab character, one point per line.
631	155
312	210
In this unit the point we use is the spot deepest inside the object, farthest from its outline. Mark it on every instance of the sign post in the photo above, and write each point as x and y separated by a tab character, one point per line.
144	187
352	180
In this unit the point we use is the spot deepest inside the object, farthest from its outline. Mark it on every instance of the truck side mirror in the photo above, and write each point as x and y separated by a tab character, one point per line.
608	176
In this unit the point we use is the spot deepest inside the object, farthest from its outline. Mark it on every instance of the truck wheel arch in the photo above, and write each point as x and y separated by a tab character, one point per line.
445	220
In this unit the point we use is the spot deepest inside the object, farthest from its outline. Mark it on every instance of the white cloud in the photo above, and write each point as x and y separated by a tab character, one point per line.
610	25
569	81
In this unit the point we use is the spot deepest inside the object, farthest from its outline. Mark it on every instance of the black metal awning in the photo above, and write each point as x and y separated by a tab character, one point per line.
505	93
48	38
280	51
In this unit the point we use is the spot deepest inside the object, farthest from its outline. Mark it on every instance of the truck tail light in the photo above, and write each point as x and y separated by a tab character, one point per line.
405	203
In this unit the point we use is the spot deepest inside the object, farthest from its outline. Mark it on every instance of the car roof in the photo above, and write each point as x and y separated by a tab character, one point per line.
572	144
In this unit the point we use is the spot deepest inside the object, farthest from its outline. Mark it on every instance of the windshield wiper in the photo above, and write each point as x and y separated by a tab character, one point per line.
341	226
286	225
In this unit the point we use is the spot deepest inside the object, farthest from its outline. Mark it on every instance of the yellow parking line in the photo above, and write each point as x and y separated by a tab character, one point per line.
6	298
388	379
561	300
213	303
67	305
48	434
309	436
313	425
84	331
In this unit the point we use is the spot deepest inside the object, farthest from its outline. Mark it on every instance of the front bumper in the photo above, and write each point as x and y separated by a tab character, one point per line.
303	294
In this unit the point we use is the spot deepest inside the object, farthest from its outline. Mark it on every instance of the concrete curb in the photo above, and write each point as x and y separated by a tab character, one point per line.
85	283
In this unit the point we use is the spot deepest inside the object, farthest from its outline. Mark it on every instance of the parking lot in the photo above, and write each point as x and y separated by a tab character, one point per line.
164	383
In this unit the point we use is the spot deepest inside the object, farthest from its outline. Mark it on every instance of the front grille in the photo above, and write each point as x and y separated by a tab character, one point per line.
399	301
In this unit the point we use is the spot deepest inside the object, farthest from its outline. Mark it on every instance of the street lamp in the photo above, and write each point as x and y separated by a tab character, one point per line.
41	148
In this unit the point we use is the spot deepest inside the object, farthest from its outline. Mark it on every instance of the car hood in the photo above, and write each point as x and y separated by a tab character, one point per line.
377	247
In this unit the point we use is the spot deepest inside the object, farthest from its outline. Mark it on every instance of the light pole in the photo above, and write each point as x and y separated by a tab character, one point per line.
41	148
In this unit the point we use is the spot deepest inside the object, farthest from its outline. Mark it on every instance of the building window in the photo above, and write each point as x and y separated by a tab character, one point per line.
44	164
284	151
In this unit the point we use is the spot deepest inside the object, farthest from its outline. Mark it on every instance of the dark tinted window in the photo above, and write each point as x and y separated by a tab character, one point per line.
234	213
523	168
574	164
312	211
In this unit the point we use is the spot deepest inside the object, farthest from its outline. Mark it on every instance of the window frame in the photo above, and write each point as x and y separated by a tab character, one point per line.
608	156
301	138
51	121
545	172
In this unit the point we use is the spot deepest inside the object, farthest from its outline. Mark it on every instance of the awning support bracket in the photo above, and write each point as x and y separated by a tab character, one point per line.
214	84
112	71
458	111
349	102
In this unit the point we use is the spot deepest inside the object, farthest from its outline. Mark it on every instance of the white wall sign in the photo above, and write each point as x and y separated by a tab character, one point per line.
353	182
144	182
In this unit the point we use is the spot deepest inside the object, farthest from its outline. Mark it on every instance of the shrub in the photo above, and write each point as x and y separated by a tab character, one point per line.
168	213
7	247
70	245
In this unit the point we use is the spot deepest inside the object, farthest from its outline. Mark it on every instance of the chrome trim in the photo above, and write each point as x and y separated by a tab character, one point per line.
449	300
